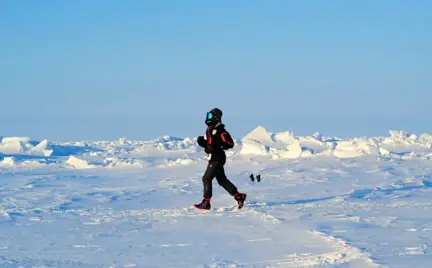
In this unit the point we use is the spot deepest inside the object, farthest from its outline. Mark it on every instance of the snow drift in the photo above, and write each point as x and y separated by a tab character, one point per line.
287	145
124	153
26	146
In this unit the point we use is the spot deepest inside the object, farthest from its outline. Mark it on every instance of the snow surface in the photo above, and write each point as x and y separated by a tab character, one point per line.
322	202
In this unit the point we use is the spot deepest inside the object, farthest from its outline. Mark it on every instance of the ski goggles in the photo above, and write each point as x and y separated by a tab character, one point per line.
210	115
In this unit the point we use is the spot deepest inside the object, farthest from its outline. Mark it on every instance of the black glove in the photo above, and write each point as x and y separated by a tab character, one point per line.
201	141
208	150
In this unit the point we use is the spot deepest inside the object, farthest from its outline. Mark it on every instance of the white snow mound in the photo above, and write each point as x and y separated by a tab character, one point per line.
286	145
77	163
8	161
115	162
278	145
26	146
173	151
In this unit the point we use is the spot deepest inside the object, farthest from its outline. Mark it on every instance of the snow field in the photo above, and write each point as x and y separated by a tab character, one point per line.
322	202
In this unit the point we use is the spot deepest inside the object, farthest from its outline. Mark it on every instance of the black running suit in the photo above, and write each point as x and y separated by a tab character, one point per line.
217	141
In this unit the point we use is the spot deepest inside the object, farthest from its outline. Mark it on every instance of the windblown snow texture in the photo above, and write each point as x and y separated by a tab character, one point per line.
321	202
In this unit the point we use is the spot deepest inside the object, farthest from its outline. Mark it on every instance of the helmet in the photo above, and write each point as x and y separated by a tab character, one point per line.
214	116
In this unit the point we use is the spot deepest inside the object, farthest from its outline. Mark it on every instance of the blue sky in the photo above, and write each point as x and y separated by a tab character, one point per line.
182	58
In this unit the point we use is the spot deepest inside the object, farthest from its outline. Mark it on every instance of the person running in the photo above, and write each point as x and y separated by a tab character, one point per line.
217	140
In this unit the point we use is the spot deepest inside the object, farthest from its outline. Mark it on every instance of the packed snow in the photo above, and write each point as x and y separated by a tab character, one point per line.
321	202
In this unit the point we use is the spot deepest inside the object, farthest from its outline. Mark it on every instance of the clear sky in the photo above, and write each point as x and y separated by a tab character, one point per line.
182	58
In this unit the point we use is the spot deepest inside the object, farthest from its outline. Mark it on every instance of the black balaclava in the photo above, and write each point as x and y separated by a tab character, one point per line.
213	117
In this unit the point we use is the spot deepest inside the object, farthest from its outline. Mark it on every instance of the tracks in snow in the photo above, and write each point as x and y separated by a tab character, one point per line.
100	225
